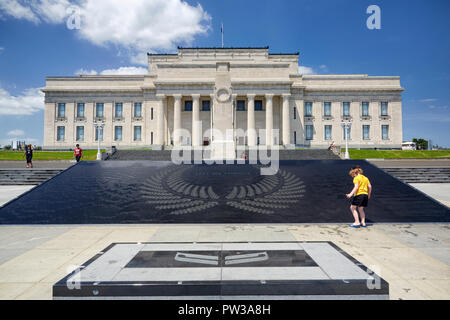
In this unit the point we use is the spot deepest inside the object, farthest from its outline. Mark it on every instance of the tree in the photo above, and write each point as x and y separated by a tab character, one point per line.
421	144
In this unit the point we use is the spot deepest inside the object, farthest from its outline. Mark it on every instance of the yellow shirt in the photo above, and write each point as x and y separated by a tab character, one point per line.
363	182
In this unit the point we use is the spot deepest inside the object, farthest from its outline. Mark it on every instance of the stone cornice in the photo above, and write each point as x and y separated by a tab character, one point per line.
353	89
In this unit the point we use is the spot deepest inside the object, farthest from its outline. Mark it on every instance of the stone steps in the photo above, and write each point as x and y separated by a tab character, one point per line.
421	175
26	177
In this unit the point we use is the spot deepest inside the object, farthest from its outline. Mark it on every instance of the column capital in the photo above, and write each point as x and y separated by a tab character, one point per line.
286	95
251	96
269	96
177	96
195	96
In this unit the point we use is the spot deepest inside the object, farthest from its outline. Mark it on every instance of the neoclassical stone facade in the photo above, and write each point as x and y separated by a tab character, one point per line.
259	97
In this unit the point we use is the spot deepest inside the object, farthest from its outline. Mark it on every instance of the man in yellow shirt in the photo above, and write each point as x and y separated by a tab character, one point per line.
361	192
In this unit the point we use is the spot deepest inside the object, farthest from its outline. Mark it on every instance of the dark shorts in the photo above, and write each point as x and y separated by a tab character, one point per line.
29	159
361	201
78	158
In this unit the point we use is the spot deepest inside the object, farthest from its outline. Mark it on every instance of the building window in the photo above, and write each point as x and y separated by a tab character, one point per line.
295	137
365	109
80	110
295	113
240	105
327	132
151	137
137	109
80	133
206	105
98	133
346	108
61	110
118	133
258	105
308	109
384	108
366	132
61	131
309	132
385	132
99	110
188	105
137	133
151	114
349	131
118	113
327	109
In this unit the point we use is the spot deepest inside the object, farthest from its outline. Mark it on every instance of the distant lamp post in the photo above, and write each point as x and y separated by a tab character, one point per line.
346	125
98	126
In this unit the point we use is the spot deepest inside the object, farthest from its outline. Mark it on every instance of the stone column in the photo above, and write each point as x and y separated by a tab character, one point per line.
176	120
160	127
211	107
269	119
195	119
286	120
251	132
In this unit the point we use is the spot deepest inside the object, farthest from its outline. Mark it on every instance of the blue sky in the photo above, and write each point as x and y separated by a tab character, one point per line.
331	36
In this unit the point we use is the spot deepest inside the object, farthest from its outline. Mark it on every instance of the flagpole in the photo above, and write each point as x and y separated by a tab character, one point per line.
221	30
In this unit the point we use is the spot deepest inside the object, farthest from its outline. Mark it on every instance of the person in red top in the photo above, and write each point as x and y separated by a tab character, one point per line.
78	153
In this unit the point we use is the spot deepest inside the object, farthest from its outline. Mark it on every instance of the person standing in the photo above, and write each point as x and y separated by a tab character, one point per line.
29	155
78	153
361	194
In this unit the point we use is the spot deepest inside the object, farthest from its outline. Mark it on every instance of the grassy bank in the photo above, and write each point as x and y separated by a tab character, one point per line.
47	155
399	154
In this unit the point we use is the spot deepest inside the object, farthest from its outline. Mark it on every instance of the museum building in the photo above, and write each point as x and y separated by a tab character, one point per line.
190	97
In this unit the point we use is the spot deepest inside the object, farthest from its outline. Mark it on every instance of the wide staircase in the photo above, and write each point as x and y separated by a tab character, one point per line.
26	177
421	175
165	155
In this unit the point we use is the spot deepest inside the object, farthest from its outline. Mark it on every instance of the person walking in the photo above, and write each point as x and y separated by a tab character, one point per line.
361	194
78	153
29	155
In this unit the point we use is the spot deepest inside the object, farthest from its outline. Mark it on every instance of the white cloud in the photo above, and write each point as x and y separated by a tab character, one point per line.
428	100
1	49
28	103
16	133
306	70
118	71
86	72
135	25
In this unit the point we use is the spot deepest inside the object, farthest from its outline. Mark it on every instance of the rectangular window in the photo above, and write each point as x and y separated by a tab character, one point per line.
151	138
384	108
61	131
61	110
327	132
365	109
308	109
188	105
98	133
99	110
295	112
327	109
366	132
151	114
309	132
240	105
385	132
349	131
118	113
206	105
137	133
118	133
137	109
80	110
258	105
345	108
80	133
295	137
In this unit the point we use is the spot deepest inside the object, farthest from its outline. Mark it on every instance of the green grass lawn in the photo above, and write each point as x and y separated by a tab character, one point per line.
399	154
48	155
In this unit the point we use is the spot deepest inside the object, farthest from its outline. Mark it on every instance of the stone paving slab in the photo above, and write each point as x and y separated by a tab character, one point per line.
416	267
